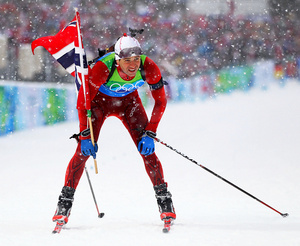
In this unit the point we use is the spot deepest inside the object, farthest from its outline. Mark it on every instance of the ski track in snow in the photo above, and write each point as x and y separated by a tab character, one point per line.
250	138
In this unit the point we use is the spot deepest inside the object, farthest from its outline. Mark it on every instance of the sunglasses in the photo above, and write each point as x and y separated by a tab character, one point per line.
128	52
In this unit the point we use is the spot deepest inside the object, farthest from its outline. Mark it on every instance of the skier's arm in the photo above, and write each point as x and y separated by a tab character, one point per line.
154	79
97	76
83	121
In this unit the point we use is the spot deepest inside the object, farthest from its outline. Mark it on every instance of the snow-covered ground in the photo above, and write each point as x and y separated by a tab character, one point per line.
252	139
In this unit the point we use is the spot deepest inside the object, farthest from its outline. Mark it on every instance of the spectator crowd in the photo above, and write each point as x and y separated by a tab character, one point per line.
183	43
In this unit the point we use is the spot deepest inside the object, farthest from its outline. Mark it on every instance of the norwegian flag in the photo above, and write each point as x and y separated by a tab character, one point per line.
67	48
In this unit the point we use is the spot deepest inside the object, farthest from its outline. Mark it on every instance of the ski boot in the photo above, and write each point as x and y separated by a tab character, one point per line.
164	201
64	205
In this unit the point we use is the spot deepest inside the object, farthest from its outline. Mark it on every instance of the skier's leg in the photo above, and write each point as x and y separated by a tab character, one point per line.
74	172
76	165
75	168
135	120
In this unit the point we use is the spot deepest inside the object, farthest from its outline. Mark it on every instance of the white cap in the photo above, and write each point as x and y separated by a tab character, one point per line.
127	42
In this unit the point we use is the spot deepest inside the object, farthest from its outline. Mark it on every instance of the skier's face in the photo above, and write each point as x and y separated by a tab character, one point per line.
130	65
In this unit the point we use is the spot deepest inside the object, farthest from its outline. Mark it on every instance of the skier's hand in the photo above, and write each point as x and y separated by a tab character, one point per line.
146	145
87	148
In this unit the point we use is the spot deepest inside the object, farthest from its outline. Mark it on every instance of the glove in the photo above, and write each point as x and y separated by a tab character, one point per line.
87	148
146	145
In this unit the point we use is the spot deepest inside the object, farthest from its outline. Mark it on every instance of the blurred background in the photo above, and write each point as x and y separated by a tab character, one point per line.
185	37
202	47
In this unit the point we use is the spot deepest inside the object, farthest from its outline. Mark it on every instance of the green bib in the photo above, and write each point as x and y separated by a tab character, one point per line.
116	86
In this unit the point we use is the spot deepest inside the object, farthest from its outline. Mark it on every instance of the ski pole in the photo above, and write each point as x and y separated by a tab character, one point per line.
208	170
100	215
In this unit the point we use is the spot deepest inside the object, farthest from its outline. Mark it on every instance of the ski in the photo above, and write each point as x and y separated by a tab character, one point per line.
58	227
167	225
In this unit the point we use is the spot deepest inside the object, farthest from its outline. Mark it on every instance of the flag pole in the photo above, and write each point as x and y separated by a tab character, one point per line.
86	91
89	115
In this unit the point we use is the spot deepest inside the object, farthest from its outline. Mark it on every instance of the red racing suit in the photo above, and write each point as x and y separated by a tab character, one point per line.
128	109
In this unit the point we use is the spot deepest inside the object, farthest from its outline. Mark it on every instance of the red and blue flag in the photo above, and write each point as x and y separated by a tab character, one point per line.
67	48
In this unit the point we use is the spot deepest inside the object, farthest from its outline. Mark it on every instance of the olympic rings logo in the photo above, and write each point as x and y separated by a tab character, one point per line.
116	87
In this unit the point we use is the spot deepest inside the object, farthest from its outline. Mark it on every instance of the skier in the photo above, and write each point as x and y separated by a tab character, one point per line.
113	83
